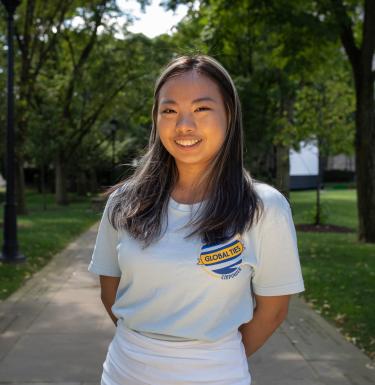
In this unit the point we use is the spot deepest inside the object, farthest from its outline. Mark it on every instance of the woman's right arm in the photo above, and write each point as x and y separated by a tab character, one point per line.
269	313
109	287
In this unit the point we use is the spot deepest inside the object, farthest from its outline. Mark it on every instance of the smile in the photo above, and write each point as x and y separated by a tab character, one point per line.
188	143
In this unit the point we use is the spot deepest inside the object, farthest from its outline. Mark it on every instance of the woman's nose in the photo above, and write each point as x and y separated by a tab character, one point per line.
185	123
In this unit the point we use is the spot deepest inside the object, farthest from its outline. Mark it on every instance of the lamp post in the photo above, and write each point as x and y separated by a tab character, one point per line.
10	252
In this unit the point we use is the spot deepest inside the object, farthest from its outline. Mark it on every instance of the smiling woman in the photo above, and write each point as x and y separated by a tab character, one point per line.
192	125
188	242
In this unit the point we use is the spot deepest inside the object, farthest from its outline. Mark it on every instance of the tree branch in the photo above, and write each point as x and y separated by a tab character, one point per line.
48	23
45	49
29	20
86	124
71	50
346	33
82	59
19	40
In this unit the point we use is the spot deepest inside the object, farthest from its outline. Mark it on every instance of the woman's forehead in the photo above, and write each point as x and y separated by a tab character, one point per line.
191	85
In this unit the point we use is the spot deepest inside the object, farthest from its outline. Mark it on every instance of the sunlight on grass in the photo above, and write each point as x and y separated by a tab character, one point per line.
43	233
338	205
339	271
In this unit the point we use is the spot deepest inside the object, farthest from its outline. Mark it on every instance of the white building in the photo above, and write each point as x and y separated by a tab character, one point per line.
304	166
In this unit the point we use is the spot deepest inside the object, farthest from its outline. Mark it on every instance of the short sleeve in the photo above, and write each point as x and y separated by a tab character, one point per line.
278	271
104	259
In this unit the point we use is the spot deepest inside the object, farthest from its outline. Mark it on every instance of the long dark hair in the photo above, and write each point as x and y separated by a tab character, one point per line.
140	202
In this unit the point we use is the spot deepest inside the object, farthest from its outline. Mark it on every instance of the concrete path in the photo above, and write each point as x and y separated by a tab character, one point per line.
54	330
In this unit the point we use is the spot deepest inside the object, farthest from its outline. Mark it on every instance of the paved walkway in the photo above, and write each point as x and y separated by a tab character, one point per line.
54	331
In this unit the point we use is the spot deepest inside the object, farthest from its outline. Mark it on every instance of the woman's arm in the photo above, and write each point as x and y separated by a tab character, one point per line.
269	313
109	287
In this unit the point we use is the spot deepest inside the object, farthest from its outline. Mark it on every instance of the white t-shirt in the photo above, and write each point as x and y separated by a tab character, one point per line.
187	290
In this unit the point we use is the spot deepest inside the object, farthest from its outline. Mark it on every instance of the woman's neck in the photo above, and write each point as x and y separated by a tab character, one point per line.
188	190
187	197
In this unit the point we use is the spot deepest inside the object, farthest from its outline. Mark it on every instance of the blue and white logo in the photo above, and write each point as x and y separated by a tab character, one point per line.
222	260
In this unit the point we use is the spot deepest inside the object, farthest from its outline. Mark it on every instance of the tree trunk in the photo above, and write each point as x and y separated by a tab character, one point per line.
93	181
282	151
282	170
365	161
81	179
43	185
364	78
60	181
318	211
361	59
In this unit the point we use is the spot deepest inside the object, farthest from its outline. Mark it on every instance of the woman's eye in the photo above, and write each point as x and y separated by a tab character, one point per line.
167	111
203	109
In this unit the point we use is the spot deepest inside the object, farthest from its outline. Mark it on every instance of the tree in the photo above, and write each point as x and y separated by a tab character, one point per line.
115	83
353	23
324	114
38	27
361	58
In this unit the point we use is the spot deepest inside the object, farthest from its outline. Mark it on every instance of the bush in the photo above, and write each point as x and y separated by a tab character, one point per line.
339	176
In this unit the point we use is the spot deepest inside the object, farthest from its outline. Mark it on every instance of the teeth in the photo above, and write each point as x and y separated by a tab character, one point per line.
187	142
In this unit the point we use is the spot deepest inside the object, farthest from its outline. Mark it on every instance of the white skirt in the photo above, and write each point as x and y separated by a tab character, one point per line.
135	359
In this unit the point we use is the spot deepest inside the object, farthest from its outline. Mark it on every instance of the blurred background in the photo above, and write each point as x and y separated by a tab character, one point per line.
305	70
85	73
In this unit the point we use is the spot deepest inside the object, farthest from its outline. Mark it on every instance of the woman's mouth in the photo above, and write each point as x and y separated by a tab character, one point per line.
188	143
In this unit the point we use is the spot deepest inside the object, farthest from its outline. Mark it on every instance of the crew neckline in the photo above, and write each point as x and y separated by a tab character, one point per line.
184	206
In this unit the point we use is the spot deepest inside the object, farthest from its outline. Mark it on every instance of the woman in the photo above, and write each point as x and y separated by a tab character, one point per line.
188	242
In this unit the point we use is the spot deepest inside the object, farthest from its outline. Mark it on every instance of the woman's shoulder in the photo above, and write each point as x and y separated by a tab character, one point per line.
113	197
115	190
273	200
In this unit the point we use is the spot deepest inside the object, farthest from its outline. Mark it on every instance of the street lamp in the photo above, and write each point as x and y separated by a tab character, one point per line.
10	252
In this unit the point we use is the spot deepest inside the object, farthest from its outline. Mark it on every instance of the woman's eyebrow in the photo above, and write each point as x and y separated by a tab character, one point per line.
167	101
203	99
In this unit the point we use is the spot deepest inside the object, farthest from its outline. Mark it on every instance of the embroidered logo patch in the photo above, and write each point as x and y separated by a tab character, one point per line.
222	260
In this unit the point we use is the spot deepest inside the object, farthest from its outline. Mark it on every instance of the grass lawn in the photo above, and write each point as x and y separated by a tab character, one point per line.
339	272
43	233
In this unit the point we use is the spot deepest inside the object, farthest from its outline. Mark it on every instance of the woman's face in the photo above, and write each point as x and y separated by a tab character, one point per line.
191	119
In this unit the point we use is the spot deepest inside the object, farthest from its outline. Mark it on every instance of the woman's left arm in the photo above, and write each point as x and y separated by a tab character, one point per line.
269	313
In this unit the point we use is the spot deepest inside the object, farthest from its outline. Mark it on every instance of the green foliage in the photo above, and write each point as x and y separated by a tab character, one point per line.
77	79
324	110
278	59
284	57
